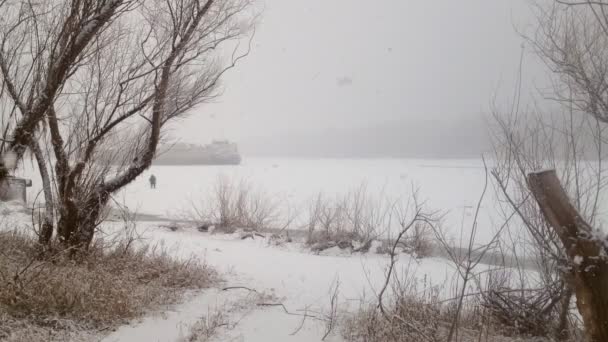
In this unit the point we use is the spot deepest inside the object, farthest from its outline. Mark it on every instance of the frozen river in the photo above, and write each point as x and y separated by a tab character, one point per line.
451	186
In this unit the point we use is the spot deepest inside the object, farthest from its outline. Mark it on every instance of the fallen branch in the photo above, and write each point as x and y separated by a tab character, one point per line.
301	324
239	288
293	313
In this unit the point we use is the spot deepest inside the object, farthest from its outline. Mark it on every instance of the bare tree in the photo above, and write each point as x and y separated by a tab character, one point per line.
135	67
171	70
572	39
42	45
526	141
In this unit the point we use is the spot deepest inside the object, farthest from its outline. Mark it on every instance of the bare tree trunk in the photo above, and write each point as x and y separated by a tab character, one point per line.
89	219
46	228
68	222
77	222
586	252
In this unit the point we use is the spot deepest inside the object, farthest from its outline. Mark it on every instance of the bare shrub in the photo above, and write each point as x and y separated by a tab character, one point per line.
571	38
421	316
106	287
521	313
383	248
402	312
415	316
572	144
239	205
419	241
206	328
352	220
328	223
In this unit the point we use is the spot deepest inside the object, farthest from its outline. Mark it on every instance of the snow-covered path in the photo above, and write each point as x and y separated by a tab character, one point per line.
299	280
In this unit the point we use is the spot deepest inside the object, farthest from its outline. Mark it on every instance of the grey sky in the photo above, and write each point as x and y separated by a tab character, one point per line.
322	65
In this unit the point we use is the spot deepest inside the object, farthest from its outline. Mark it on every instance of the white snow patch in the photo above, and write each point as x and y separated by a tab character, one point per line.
176	322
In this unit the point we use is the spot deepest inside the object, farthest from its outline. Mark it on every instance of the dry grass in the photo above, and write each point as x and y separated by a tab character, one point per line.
20	330
107	287
410	312
413	315
409	319
206	328
414	319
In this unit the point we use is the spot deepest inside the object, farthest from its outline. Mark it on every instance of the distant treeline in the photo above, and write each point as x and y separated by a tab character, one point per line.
421	139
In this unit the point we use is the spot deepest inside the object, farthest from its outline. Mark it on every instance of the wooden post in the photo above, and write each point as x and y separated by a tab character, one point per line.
585	249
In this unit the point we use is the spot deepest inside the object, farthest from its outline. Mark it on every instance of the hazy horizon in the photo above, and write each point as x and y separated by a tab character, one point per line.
318	83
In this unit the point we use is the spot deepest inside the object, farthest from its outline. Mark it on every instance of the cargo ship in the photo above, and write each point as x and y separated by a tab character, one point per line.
219	152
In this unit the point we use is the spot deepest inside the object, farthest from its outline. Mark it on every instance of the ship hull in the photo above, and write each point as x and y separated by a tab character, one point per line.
191	158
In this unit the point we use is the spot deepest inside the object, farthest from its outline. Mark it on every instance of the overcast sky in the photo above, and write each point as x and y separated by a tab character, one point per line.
323	65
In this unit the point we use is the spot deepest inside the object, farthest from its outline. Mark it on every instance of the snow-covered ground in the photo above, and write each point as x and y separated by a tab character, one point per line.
260	272
287	274
285	277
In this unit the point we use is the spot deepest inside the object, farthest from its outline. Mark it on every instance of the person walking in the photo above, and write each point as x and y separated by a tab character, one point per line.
152	182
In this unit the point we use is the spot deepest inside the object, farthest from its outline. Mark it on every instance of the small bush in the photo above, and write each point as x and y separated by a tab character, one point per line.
237	205
338	222
357	218
521	312
108	286
419	241
408	319
206	328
